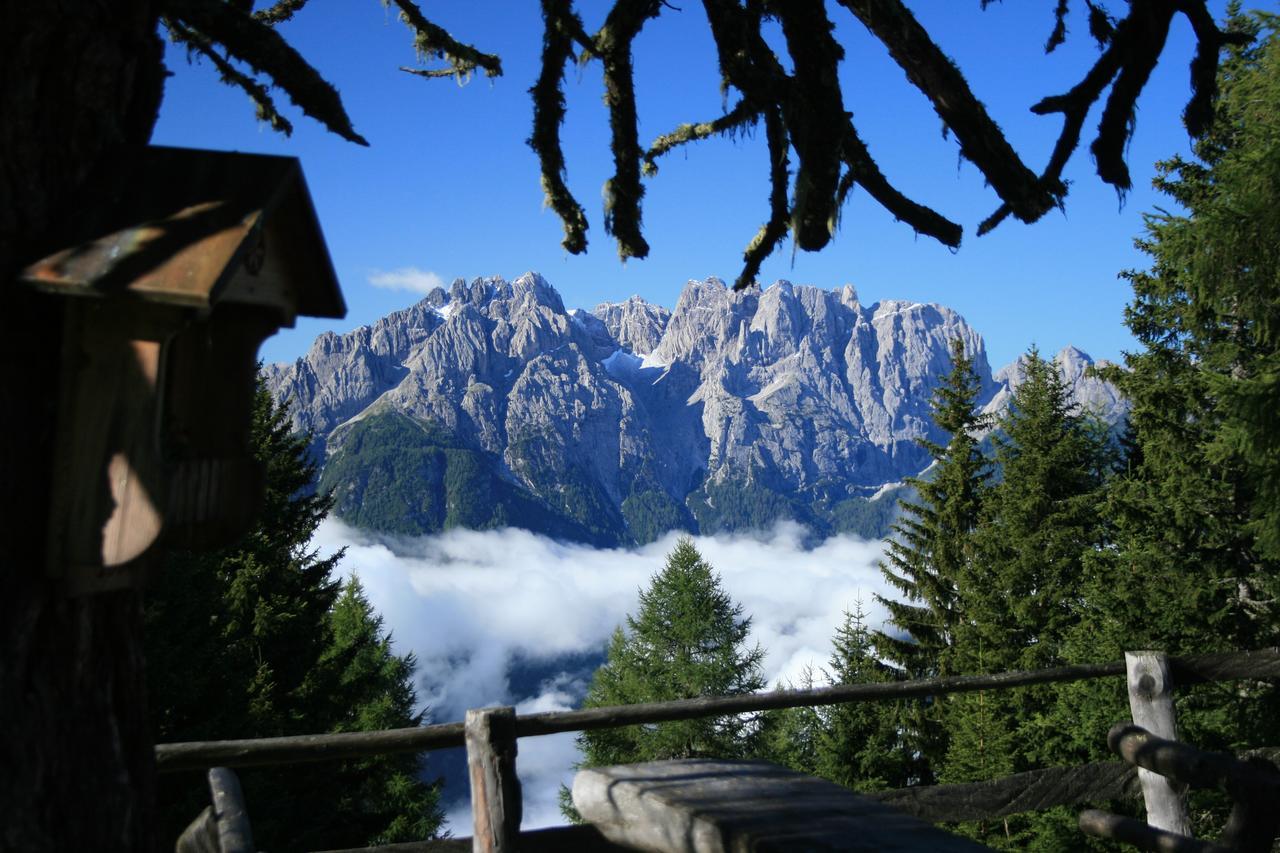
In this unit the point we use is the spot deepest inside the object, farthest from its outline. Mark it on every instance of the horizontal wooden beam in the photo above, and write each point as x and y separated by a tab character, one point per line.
1261	664
1035	790
258	752
715	706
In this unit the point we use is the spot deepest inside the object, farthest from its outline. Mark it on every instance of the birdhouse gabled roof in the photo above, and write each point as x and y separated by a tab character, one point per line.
186	227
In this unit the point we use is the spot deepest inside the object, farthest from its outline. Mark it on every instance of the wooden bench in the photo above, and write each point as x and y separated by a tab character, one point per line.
709	806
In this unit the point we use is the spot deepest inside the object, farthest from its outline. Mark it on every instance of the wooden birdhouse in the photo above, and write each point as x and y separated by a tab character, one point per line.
180	270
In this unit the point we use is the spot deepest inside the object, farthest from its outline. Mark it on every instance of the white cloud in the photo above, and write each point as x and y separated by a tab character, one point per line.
468	602
406	278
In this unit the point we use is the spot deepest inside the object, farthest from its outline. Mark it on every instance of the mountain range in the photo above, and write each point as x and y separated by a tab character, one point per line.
489	404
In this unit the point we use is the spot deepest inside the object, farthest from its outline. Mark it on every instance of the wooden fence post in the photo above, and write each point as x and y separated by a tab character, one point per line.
495	789
1151	703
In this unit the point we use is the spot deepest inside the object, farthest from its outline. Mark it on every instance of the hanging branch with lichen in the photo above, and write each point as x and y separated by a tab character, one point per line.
742	115
266	52
924	219
623	191
803	110
224	31
263	103
1131	50
772	232
561	28
282	11
431	40
1027	195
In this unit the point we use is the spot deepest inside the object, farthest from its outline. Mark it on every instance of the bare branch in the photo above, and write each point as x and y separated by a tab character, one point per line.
264	50
434	41
559	22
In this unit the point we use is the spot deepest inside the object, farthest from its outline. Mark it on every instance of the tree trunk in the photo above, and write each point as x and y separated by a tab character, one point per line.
80	80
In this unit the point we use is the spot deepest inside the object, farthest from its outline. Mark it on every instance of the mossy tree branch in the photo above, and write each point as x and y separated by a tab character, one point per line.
622	192
560	24
263	102
266	52
981	141
1131	50
431	40
803	109
282	11
772	232
742	115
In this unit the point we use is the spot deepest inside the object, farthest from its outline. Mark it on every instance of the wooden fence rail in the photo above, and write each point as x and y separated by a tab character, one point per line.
173	757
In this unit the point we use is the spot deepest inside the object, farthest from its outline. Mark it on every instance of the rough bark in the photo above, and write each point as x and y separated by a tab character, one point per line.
79	80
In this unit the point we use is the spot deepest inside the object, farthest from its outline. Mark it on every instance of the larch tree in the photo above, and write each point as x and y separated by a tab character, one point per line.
687	639
83	84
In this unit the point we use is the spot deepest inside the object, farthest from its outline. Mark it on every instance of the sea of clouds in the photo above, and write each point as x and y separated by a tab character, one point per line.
473	605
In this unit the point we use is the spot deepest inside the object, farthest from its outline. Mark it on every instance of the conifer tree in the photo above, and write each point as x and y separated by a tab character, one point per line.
1021	592
932	548
1197	557
259	640
860	744
792	735
687	639
1038	521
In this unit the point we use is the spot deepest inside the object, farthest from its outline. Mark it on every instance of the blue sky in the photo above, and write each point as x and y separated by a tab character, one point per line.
449	188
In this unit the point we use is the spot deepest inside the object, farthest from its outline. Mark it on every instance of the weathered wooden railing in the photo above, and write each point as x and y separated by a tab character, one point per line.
490	736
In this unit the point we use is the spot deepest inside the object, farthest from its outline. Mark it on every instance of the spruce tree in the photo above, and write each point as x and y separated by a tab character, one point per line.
1021	592
931	550
860	744
257	641
792	736
687	639
1197	557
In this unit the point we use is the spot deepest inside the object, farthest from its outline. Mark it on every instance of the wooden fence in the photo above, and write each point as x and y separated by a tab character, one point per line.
490	736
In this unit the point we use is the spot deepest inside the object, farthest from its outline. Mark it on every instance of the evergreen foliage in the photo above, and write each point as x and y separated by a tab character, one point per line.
1020	593
259	640
1196	565
930	553
687	639
932	547
860	744
392	473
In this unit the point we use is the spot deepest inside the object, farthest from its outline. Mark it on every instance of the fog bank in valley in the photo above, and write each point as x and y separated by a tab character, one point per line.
477	608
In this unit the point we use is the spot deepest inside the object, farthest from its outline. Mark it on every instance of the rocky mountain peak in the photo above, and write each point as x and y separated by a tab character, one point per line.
620	423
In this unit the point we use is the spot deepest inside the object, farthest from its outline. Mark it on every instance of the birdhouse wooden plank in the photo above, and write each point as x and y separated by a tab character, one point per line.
182	265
